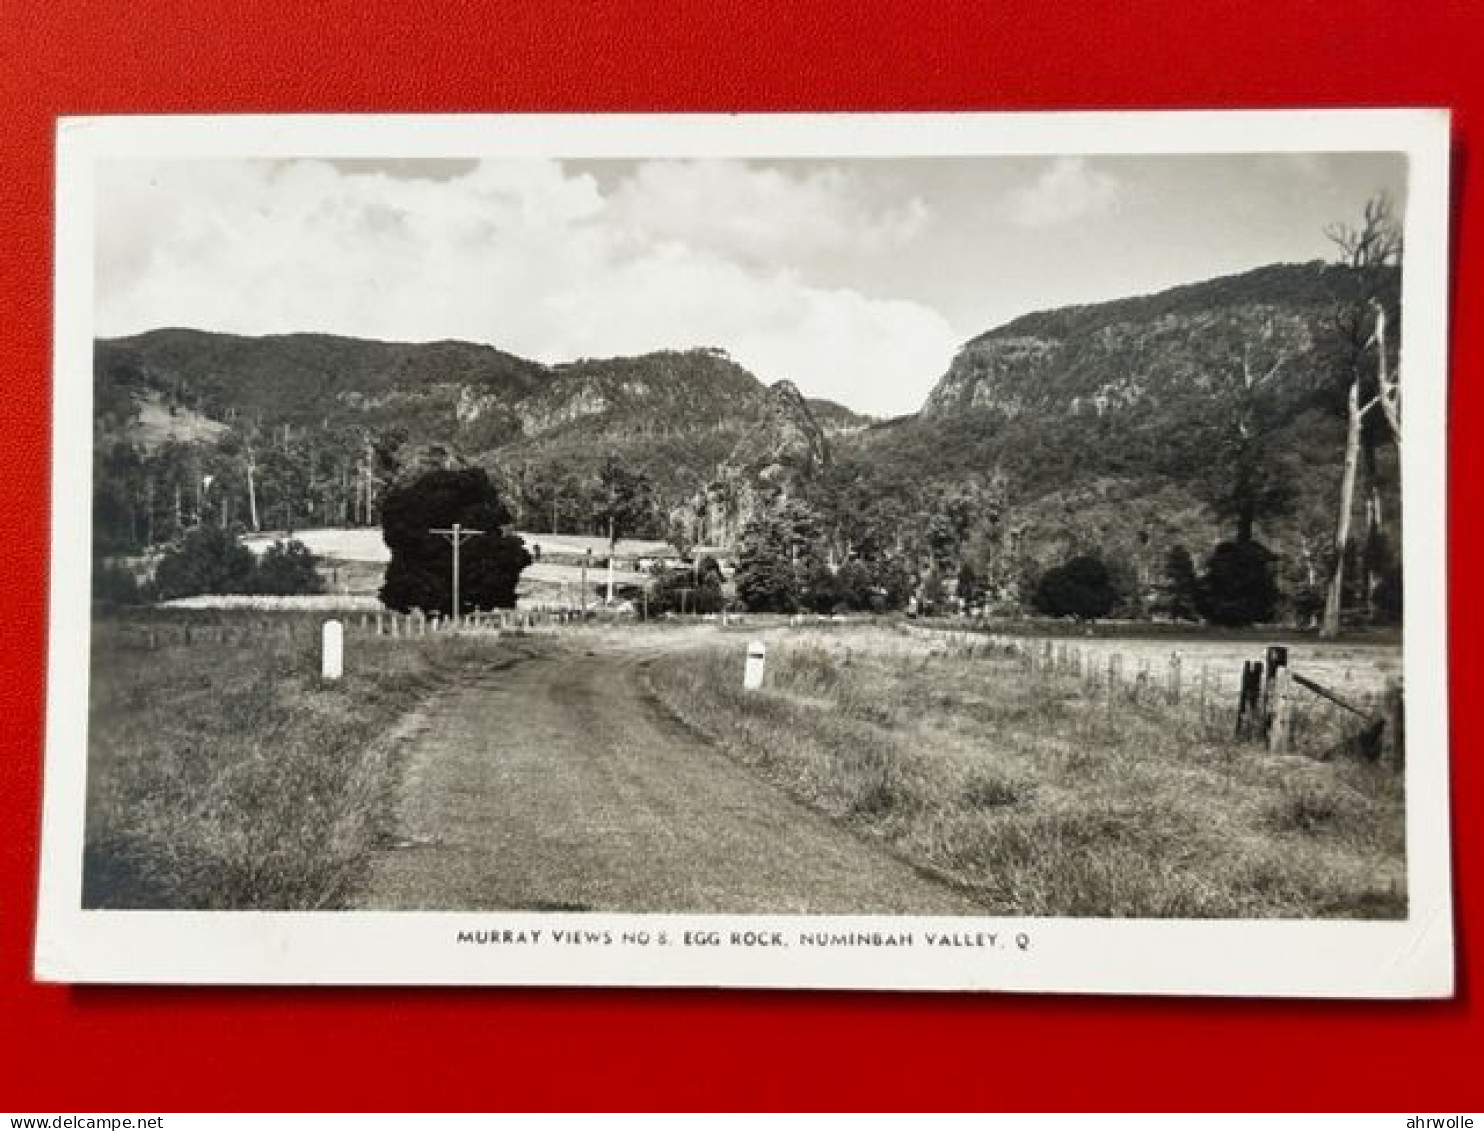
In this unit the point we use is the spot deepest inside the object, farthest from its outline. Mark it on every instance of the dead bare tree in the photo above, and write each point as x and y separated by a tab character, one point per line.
1370	249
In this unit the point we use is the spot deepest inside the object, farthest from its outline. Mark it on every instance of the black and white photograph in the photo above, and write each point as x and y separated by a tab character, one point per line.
898	551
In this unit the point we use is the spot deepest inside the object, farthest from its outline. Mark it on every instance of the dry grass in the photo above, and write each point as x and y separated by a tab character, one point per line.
223	773
1043	794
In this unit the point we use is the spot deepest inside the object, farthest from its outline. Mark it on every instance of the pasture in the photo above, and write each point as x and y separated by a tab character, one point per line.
222	773
1044	792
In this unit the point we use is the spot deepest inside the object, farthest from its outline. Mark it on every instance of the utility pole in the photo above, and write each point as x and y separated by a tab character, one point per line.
457	535
612	547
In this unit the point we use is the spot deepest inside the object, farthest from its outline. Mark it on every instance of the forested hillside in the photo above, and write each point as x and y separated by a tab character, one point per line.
307	429
1143	432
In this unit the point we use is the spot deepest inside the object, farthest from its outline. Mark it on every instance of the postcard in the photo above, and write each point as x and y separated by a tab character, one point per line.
957	551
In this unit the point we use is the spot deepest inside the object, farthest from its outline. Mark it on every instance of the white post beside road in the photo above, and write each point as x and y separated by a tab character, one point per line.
332	650
752	673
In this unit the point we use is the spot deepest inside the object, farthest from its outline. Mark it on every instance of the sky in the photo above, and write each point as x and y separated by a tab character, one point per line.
856	279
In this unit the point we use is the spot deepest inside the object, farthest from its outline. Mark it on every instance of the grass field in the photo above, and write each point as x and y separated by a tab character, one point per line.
224	774
1043	797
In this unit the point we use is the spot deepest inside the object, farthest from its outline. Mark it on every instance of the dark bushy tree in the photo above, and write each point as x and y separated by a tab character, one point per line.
1239	587
207	559
419	576
288	568
1081	588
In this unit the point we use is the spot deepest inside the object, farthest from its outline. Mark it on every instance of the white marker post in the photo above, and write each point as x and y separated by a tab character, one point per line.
332	650
752	673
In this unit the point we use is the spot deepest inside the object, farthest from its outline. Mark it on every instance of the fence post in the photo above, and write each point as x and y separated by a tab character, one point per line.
1249	697
1274	659
1279	704
1175	664
1393	733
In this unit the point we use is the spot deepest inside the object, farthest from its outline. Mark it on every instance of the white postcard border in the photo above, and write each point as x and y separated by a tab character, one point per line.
1410	958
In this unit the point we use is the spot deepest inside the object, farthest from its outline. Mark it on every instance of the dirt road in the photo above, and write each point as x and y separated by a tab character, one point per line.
559	784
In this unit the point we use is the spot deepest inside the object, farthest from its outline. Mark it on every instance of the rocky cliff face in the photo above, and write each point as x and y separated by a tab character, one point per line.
785	442
1147	353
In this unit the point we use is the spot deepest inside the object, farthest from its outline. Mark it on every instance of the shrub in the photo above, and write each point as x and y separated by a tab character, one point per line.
288	568
695	590
1180	593
114	584
1239	588
207	559
1081	588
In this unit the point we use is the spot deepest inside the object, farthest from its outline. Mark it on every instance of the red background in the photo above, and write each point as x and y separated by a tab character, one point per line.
187	1049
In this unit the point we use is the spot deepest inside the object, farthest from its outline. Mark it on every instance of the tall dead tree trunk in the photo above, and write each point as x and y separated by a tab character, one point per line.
252	488
1388	390
1334	599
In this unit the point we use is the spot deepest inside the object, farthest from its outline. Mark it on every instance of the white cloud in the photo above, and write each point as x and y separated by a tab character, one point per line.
1068	189
529	257
760	213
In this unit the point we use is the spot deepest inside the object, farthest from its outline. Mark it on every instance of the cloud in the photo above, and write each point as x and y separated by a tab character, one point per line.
1068	189
759	213
528	256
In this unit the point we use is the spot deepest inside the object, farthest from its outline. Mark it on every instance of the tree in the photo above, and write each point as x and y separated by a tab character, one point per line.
1238	587
968	589
685	590
1080	588
420	573
1181	596
1373	252
625	500
678	534
288	568
207	559
1244	477
767	577
114	584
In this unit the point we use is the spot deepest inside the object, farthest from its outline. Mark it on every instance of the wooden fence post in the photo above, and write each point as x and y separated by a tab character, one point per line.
1279	710
1175	678
1249	697
1273	660
1393	733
